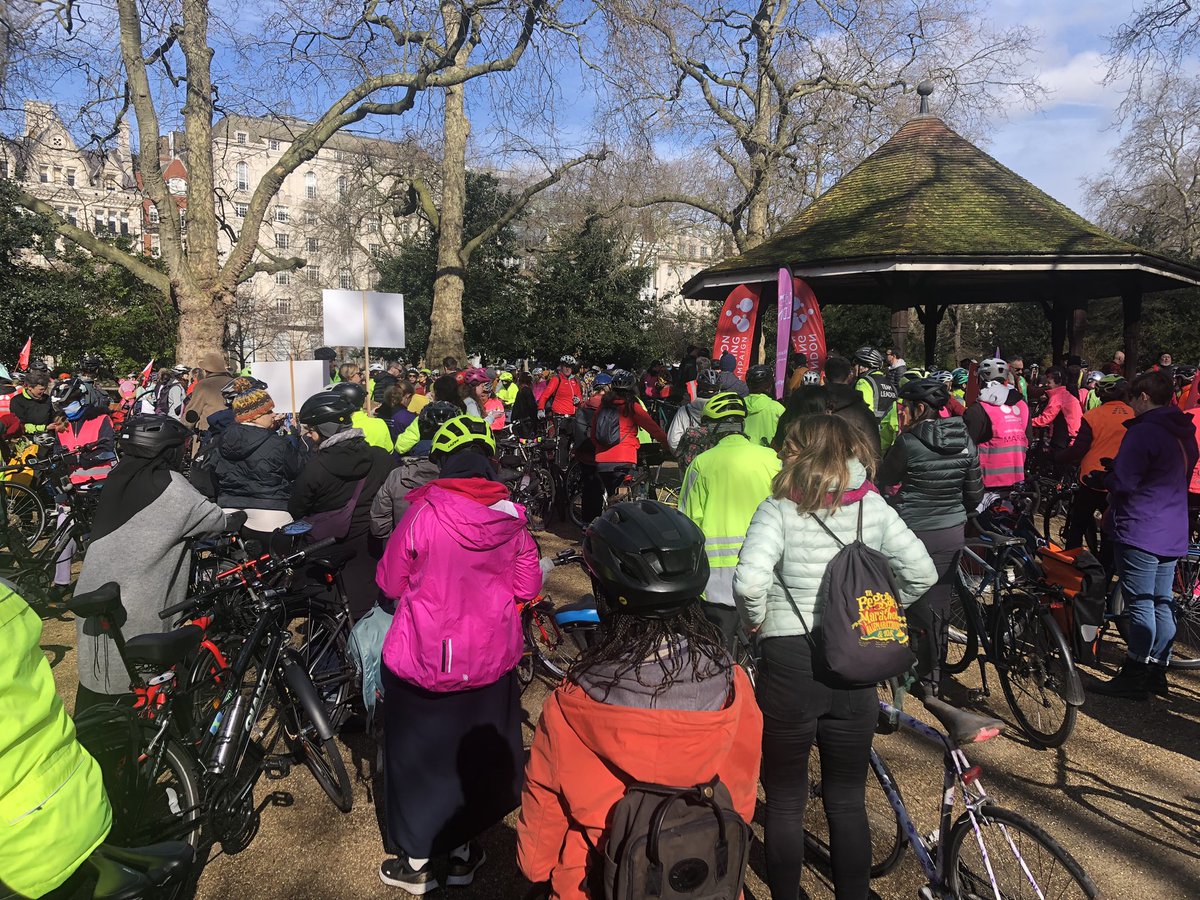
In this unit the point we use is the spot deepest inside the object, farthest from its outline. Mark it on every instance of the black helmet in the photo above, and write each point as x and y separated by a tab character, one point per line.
623	381
433	416
929	391
325	408
151	436
760	373
868	356
90	364
647	557
354	394
65	392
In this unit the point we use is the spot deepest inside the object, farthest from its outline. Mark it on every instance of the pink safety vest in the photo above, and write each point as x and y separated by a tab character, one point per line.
88	434
6	402
1003	457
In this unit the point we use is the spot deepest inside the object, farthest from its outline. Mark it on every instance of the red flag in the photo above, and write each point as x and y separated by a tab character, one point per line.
23	361
808	325
735	327
146	373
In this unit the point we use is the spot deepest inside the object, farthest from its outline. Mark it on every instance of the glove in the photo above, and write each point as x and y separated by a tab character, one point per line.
546	564
541	414
235	520
492	415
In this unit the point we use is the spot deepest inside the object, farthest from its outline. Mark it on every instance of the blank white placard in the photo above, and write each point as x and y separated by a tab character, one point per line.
300	379
343	318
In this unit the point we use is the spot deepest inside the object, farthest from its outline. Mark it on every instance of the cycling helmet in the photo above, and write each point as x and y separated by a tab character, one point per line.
1110	383
66	392
1093	377
725	405
327	411
90	364
38	365
760	373
506	376
603	379
433	416
354	394
913	375
945	376
994	369
568	360
959	377
868	356
623	381
1185	372
812	376
476	376
181	369
461	431
151	436
925	390
647	558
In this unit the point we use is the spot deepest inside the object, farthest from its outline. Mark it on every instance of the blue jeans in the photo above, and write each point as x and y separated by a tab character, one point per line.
1146	583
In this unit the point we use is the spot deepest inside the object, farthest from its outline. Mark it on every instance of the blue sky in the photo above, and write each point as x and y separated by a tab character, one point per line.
1072	134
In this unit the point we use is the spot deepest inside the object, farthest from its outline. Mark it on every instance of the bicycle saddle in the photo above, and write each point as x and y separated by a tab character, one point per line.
1002	540
587	601
964	727
103	601
164	649
115	881
158	862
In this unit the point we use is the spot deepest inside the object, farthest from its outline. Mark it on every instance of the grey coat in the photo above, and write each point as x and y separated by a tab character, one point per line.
148	558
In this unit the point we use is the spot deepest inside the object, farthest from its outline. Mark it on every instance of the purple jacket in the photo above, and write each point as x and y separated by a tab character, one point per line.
456	565
1148	485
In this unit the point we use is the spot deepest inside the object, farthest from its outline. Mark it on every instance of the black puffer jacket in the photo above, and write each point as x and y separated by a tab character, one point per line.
332	473
254	468
936	465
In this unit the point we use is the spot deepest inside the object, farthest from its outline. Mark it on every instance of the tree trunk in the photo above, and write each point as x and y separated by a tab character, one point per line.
201	324
446	321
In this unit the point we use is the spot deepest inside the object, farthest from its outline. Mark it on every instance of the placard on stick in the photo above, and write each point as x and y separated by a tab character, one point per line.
363	318
291	382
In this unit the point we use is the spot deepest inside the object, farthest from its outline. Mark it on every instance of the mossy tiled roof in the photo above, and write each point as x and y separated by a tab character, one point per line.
928	192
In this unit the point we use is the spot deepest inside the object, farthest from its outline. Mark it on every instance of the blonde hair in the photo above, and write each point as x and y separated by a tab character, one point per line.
816	456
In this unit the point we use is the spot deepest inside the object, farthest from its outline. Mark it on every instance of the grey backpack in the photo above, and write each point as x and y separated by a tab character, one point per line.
674	843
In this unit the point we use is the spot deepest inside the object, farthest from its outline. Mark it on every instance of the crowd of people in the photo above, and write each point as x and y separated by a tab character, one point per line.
398	464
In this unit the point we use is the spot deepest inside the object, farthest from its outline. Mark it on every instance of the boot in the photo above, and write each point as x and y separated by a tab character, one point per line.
1156	680
1131	683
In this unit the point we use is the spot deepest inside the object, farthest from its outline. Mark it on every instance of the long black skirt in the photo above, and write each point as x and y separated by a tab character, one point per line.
455	763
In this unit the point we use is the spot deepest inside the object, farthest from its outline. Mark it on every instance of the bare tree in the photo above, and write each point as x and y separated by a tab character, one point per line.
777	97
373	58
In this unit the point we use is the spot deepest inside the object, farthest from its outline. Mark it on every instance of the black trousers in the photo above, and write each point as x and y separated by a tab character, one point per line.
799	710
928	618
595	482
1081	525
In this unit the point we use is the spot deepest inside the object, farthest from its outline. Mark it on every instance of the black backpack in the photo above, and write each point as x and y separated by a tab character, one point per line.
605	430
863	636
162	400
674	843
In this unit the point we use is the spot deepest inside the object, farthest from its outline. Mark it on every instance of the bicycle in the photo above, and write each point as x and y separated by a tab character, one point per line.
1014	629
644	480
526	471
988	851
556	636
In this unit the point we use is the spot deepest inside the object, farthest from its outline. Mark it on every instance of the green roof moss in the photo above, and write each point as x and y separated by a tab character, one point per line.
928	192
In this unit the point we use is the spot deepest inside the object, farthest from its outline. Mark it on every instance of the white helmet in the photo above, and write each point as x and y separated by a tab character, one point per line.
993	370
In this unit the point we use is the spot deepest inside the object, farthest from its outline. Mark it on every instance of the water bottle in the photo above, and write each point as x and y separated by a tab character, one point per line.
227	738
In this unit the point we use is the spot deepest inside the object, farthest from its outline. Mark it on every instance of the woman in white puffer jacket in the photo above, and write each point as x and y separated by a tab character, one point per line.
823	474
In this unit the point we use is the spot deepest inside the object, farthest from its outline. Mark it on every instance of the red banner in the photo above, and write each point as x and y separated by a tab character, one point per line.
783	316
808	326
735	327
23	361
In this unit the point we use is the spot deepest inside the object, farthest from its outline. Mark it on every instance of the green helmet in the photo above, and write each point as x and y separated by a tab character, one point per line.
725	405
459	432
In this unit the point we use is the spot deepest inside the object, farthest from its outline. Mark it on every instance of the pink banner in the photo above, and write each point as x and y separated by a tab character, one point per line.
735	327
808	326
783	323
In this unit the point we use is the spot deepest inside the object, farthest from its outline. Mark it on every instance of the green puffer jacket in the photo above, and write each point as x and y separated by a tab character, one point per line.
53	809
936	465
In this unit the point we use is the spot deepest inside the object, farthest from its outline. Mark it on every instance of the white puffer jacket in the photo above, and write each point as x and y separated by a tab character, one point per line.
779	532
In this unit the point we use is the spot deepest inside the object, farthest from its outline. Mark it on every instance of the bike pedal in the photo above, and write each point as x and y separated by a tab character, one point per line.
276	768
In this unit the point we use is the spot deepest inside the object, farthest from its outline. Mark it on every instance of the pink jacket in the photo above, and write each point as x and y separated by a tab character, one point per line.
1060	400
456	565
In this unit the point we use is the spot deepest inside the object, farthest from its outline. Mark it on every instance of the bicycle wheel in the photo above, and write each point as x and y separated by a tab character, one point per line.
1185	652
555	646
962	643
325	651
1017	860
535	491
574	495
322	757
1036	670
22	514
887	834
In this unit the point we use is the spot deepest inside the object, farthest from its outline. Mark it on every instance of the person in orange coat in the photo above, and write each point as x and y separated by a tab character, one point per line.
656	700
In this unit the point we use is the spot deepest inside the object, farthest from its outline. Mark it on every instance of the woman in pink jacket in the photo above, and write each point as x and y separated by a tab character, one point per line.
456	565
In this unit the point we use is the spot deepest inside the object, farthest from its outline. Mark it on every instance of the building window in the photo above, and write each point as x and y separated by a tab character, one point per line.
71	177
44	174
273	144
240	209
242	137
98	221
3	168
152	214
243	177
155	246
344	279
281	240
310	218
112	221
312	244
373	224
125	223
376	250
312	274
310	185
283	306
339	155
283	277
281	214
110	185
73	215
58	175
343	186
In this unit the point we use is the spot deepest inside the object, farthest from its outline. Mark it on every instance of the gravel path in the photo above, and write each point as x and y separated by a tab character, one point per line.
1123	797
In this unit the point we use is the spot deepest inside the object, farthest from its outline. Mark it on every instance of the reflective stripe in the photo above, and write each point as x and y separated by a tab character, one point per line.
736	539
727	551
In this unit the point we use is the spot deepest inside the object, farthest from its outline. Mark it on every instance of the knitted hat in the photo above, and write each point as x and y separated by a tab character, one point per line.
728	362
249	405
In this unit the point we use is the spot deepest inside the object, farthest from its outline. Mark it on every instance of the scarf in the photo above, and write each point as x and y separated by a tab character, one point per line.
132	485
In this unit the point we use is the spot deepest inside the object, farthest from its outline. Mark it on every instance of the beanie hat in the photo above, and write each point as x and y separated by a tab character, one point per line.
728	362
249	405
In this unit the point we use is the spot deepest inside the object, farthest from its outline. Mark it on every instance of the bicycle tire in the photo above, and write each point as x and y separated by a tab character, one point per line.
1185	651
573	490
887	834
320	756
969	880
960	634
556	647
325	653
23	513
1027	639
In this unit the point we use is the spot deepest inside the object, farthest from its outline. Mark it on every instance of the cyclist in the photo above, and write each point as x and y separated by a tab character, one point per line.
727	380
877	390
32	404
56	810
524	408
415	470
1100	435
762	409
374	431
656	700
563	392
146	515
687	421
606	465
93	394
445	389
394	410
77	426
1062	413
205	397
958	384
507	392
999	426
456	563
827	465
337	483
721	490
1016	371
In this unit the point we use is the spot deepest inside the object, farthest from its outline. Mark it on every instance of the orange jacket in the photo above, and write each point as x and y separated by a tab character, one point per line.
585	752
1107	424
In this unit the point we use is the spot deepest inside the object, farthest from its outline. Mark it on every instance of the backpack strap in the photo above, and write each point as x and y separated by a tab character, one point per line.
828	531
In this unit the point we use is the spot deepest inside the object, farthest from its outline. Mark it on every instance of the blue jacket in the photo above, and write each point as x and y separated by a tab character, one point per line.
1148	486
